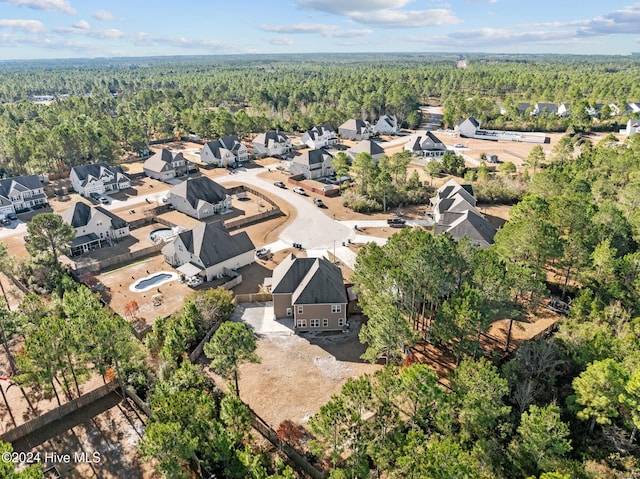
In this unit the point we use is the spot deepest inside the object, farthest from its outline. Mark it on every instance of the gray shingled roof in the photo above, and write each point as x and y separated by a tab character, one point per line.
23	183
80	215
356	125
270	137
213	244
312	157
96	170
317	131
474	226
367	146
201	188
160	161
309	280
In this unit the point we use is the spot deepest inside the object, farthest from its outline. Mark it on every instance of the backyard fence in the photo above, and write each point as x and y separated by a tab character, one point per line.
58	413
232	225
95	266
252	298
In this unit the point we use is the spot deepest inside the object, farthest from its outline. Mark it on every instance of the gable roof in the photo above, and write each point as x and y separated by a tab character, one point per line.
390	120
309	281
318	131
312	157
269	138
474	226
356	125
231	142
22	183
367	146
161	160
97	170
201	188
212	243
80	214
451	188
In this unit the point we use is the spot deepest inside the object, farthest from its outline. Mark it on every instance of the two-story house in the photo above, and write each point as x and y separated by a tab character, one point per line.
355	130
387	125
312	292
426	144
366	146
20	193
271	143
224	151
312	164
208	250
319	137
199	197
94	227
165	165
98	178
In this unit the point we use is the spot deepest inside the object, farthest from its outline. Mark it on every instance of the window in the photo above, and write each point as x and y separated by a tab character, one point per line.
314	323
289	311
302	323
336	308
325	323
300	309
340	322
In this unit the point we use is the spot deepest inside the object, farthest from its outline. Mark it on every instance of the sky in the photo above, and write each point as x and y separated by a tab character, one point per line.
36	29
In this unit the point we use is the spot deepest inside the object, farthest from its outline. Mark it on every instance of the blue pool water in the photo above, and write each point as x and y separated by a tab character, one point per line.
151	281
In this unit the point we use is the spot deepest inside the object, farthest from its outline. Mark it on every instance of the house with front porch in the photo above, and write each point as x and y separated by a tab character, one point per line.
199	197
21	193
312	292
94	227
426	144
209	251
165	165
98	178
319	137
272	143
224	151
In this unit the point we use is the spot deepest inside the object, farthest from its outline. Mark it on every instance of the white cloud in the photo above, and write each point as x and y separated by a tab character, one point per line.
279	41
103	15
60	5
31	26
406	18
345	7
328	31
82	25
480	1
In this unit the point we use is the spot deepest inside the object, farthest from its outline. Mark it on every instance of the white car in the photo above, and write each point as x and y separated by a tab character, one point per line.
104	200
458	145
300	191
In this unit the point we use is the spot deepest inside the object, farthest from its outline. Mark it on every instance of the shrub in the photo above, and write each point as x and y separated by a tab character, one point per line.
360	203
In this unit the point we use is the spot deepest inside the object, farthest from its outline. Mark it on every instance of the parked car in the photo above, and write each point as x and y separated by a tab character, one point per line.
104	200
280	184
319	203
300	191
458	145
396	222
12	216
94	195
5	221
262	253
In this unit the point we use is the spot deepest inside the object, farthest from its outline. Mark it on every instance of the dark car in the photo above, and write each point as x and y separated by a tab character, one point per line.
5	221
12	216
396	222
280	184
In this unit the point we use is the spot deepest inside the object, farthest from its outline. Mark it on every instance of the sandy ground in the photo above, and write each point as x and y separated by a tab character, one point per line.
299	373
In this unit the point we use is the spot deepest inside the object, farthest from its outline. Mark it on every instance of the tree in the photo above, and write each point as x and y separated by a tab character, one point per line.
535	157
507	168
340	164
131	309
364	169
434	169
452	163
8	468
48	232
542	439
597	391
231	345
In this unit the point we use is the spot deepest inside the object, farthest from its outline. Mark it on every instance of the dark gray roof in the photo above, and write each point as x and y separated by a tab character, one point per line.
80	214
23	183
212	243
473	226
271	136
201	188
319	131
161	161
214	146
356	125
97	170
310	281
84	239
231	142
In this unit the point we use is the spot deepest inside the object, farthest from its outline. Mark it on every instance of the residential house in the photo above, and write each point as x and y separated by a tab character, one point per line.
312	164
467	127
20	193
366	146
199	197
355	130
563	110
454	212
165	165
98	178
209	251
633	126
312	292
426	144
387	125
319	137
633	107
225	151
94	227
544	109
272	143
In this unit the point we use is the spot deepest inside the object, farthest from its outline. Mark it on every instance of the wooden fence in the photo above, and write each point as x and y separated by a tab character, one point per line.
235	224
252	298
96	266
59	413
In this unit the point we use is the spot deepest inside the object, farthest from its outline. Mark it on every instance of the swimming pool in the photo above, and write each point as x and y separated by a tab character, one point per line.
161	234
148	282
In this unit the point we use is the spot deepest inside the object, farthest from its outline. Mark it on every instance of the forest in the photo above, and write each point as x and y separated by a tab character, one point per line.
566	406
107	108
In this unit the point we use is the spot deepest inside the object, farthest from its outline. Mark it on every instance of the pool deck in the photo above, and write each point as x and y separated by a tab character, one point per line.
167	276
